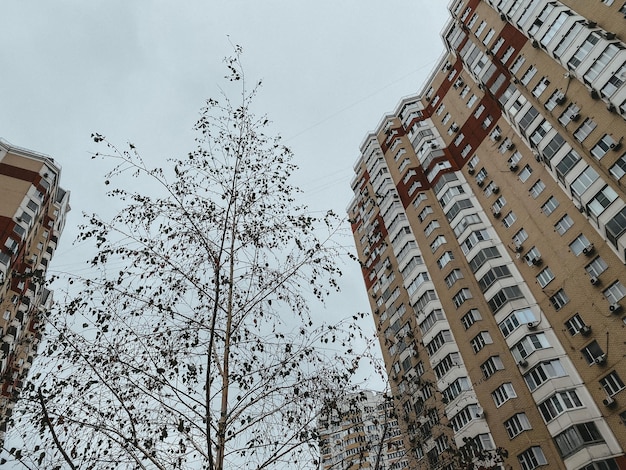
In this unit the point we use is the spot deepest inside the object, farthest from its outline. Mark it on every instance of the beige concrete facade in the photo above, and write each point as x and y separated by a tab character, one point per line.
490	220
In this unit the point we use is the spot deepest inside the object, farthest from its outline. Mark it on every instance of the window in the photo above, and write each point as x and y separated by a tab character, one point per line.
570	114
517	64
603	146
596	267
458	207
537	188
559	299
503	393
473	239
612	384
564	224
585	129
574	324
488	36
528	75
542	373
465	222
504	296
480	340
540	131
482	256
584	50
431	227
541	87
445	259
438	341
497	272
455	389
616	226
517	424
465	91
566	164
559	403
459	138
515	319
454	276
614	83
528	118
507	54
615	292
434	316
556	98
545	277
619	168
601	62
471	101
528	345
577	437
533	256
470	318
603	199
447	363
555	144
420	279
509	219
592	351
579	244
440	240
479	111
491	366
425	212
582	183
520	237
461	296
532	458
550	205
498	204
525	173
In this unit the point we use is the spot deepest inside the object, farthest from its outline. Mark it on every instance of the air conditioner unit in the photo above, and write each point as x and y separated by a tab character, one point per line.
496	213
616	145
496	189
594	94
611	107
594	280
536	260
434	146
608	35
510	146
519	248
591	24
497	137
480	412
609	402
454	128
480	183
448	66
575	117
502	16
615	308
513	166
471	171
522	363
535	44
532	325
588	249
585	330
600	360
560	100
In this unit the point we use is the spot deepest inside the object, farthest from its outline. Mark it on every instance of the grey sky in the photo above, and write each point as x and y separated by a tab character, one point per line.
139	70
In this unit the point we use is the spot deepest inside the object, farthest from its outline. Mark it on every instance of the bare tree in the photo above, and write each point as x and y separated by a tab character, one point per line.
194	346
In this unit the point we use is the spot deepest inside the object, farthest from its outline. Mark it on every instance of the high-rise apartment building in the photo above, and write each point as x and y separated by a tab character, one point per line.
362	431
32	216
490	220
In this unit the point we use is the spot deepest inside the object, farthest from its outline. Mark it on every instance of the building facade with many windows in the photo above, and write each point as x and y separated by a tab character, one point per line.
489	217
32	216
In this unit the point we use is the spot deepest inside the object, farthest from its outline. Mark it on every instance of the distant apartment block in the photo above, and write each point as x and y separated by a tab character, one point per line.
32	214
489	216
362	431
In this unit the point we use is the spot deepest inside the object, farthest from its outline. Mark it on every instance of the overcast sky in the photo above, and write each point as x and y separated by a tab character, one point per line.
139	71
